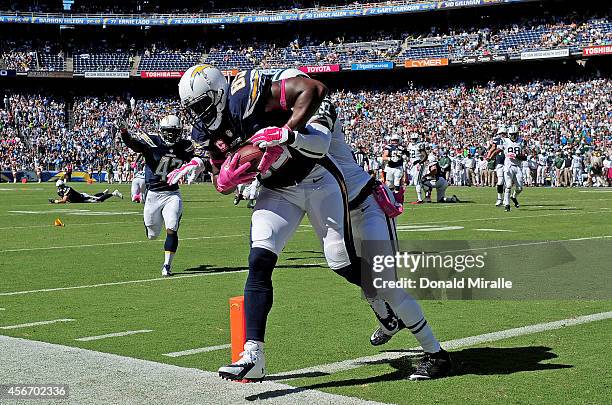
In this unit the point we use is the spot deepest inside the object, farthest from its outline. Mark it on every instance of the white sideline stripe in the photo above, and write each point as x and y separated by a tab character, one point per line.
2	309
451	344
147	280
596	191
493	230
111	335
199	350
97	378
26	325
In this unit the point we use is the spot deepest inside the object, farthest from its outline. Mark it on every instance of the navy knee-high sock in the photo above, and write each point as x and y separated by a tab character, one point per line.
258	295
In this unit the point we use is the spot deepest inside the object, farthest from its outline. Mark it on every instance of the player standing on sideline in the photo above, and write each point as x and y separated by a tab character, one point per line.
542	168
163	153
498	154
513	175
69	195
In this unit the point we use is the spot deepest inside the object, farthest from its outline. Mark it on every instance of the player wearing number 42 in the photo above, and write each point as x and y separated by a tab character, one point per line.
163	153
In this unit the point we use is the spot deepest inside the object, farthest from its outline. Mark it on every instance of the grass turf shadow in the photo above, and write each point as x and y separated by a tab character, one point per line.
474	361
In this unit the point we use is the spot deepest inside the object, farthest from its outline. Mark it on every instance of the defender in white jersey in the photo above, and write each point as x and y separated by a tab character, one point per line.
497	154
394	308
514	151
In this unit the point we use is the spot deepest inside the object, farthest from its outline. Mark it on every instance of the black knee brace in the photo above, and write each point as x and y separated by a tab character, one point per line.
500	188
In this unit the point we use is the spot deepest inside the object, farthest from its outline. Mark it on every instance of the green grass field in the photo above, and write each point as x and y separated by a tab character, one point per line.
317	318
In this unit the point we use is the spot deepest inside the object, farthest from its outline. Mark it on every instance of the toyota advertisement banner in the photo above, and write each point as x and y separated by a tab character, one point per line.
320	69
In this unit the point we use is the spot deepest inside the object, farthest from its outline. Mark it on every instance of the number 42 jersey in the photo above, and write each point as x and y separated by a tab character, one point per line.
160	158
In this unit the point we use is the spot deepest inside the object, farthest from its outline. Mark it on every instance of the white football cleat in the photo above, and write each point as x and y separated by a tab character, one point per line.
116	193
166	271
498	203
251	367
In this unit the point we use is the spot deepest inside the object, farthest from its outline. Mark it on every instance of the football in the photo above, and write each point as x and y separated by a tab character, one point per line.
250	153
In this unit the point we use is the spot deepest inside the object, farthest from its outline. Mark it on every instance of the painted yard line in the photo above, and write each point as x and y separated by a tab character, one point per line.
508	217
493	230
451	344
125	243
137	222
542	242
596	191
116	243
112	335
26	325
148	280
2	309
199	350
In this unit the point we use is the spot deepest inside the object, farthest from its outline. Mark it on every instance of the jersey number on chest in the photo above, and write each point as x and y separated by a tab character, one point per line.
166	165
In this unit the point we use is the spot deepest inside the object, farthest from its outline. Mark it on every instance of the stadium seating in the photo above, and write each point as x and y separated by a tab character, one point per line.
168	61
102	62
51	62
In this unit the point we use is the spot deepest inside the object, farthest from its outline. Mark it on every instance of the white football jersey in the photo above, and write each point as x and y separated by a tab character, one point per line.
511	150
354	176
413	152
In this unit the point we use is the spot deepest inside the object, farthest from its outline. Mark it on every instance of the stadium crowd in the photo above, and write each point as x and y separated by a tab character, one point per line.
456	122
455	41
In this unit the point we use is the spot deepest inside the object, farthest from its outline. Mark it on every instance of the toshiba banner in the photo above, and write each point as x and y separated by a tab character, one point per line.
597	50
320	69
162	74
421	63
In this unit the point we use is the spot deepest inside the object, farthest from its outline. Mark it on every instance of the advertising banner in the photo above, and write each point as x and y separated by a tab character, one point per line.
8	73
320	69
547	54
162	74
107	75
466	60
421	63
372	66
597	50
41	73
243	18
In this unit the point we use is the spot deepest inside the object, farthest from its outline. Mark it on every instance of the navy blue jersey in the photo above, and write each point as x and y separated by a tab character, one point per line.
247	103
396	155
160	159
73	195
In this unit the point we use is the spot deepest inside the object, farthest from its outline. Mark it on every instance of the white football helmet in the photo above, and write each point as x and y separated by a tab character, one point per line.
60	183
501	129
171	129
513	132
203	91
396	138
